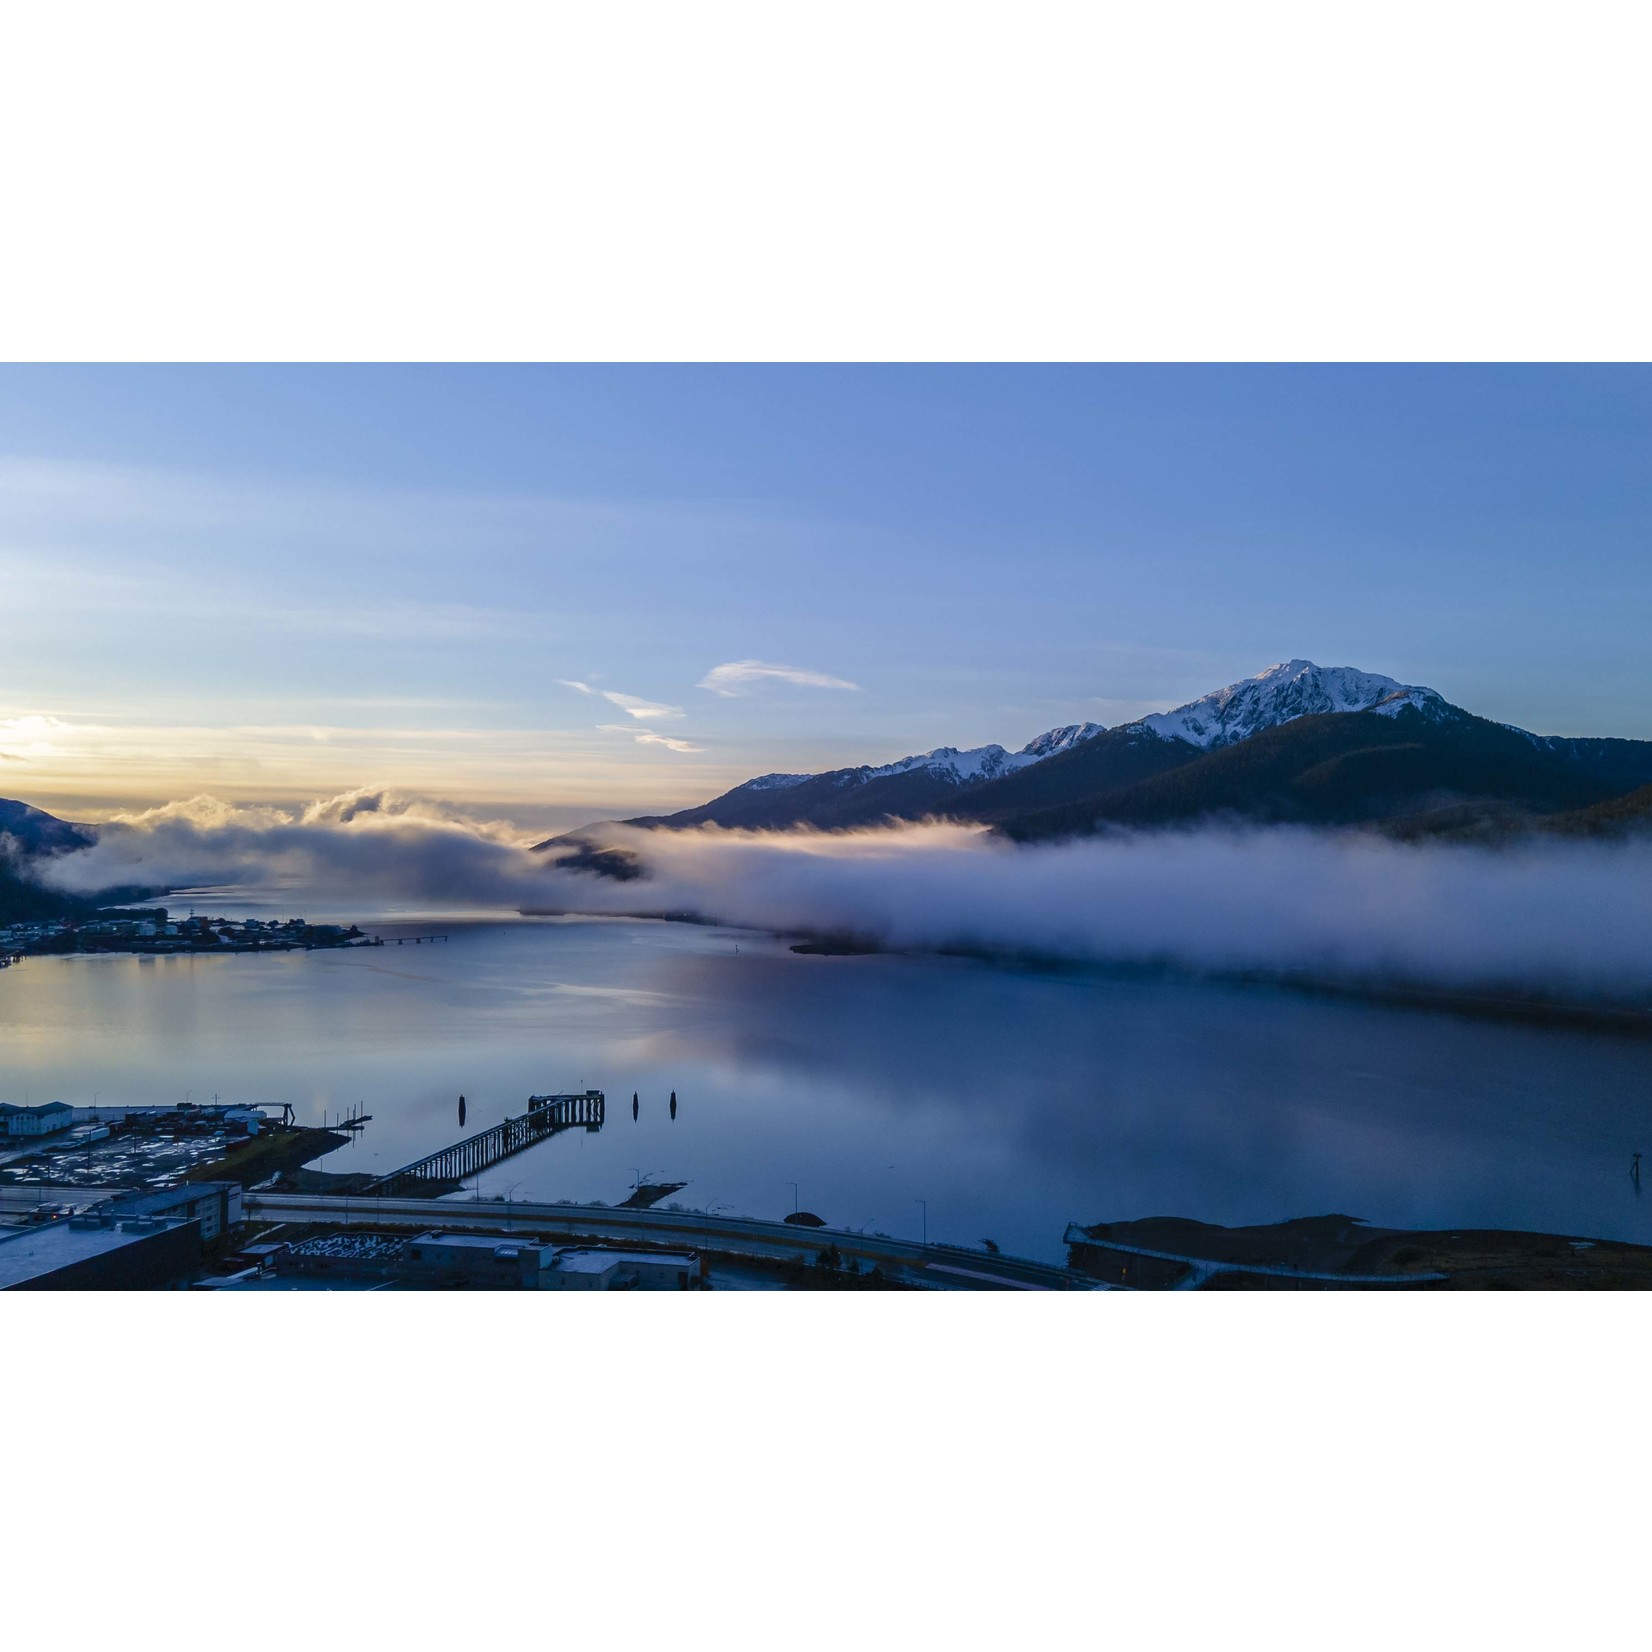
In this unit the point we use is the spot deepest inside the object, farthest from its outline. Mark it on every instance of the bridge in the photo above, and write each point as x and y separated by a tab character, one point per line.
447	1166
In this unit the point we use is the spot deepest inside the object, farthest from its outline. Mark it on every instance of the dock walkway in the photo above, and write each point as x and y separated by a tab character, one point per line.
546	1116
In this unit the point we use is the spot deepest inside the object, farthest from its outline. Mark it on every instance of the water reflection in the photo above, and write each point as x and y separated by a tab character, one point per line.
1009	1101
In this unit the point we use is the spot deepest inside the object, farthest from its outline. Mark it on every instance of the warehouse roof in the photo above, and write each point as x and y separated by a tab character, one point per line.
600	1261
32	1251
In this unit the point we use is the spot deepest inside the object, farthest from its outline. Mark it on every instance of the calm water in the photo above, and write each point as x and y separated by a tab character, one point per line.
1011	1101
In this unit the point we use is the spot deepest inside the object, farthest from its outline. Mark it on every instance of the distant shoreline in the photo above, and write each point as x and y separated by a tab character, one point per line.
1631	1020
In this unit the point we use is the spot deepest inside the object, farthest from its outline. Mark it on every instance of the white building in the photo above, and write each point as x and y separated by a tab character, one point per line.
43	1120
596	1269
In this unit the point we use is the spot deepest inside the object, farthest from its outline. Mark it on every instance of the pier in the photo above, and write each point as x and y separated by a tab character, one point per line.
546	1116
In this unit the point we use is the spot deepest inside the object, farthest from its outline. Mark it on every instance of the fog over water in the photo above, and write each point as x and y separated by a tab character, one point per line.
1011	1099
1567	919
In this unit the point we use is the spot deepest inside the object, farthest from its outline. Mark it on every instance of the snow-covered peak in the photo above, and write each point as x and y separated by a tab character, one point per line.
773	782
1424	700
979	763
1282	693
1061	739
950	763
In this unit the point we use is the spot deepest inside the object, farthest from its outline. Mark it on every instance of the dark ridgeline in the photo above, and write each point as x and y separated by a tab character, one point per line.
34	832
1439	772
1451	776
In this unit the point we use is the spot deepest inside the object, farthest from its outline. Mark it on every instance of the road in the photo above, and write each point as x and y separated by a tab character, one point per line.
938	1267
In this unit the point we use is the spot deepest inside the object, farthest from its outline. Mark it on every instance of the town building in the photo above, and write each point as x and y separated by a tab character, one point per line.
99	1252
216	1206
41	1120
596	1269
476	1259
494	1263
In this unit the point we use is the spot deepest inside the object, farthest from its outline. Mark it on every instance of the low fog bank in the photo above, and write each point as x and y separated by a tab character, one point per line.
1562	919
362	844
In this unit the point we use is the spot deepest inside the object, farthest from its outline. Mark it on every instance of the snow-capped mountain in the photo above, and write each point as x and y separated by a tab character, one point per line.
909	788
774	782
1061	739
1282	693
1297	742
947	763
989	762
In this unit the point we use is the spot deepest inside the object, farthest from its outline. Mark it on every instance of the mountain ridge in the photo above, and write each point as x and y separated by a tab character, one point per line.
26	834
864	793
1367	748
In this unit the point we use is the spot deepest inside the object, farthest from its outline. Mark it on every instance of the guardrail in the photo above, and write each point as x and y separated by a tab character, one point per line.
951	1265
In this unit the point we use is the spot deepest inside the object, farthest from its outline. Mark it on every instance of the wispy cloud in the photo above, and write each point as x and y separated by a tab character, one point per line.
737	676
647	737
628	703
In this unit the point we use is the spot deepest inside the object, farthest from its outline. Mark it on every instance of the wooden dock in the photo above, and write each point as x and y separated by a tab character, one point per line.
546	1116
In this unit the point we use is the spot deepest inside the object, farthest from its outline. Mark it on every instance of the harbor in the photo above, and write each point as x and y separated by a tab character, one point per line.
82	1149
107	1193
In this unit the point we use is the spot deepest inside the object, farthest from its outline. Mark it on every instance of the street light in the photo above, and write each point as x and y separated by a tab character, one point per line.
925	1204
793	1187
508	1205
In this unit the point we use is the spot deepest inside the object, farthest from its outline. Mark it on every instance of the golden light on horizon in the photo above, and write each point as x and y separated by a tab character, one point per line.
101	766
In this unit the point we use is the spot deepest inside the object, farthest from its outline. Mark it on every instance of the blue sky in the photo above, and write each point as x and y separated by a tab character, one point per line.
270	583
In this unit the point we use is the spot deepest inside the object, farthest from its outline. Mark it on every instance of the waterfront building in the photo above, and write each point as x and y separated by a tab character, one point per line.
496	1263
41	1120
99	1252
594	1268
215	1206
477	1259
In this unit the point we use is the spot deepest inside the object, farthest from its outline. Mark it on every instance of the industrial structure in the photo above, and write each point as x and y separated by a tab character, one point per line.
593	1268
215	1206
102	1251
439	1259
44	1119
